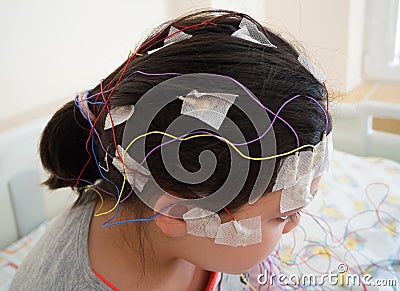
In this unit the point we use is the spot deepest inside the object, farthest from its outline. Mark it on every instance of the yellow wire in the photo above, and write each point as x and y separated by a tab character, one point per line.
131	53
98	192
247	282
119	196
190	137
223	139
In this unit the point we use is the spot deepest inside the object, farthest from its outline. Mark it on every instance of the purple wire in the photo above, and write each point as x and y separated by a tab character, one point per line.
213	135
107	153
266	108
95	186
131	74
88	182
276	115
240	85
98	162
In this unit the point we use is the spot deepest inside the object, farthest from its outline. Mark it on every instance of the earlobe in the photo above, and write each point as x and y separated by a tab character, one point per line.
170	225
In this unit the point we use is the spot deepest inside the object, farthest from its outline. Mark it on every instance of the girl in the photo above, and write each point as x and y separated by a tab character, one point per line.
148	216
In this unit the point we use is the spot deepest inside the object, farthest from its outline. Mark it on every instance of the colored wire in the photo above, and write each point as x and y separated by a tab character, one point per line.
124	68
224	140
195	136
106	224
247	282
229	213
111	91
139	51
93	149
187	138
191	137
101	197
300	259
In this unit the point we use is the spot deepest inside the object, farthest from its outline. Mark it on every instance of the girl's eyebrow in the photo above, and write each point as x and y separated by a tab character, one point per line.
289	212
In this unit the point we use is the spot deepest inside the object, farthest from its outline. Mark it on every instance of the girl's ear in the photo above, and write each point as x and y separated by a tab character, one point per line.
171	226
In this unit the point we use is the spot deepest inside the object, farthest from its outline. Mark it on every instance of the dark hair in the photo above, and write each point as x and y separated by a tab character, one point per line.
273	75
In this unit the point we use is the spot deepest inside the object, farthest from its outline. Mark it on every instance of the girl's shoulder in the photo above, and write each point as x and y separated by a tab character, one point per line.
59	260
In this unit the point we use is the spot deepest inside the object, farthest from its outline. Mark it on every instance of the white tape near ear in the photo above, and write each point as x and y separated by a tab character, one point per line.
249	31
137	179
241	233
210	108
297	172
201	222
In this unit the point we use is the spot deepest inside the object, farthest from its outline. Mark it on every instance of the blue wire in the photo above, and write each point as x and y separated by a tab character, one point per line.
106	224
95	103
93	150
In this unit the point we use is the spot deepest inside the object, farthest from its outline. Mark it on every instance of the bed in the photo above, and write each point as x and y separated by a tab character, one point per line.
352	227
26	208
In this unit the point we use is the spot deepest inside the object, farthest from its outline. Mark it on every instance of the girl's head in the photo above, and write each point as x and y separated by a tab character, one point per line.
272	72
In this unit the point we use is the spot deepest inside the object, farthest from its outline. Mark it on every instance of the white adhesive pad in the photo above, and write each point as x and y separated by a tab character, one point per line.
119	115
210	108
249	31
137	180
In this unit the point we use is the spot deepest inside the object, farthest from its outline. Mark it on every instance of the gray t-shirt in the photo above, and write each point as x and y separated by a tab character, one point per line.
60	259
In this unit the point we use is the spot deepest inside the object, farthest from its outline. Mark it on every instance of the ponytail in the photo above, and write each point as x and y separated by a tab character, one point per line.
63	149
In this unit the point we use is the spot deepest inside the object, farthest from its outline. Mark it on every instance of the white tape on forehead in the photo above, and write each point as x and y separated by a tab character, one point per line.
312	68
249	31
137	179
297	172
210	108
178	36
205	223
297	196
119	115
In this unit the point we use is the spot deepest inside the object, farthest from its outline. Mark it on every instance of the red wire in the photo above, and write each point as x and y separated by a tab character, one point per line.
108	283
133	56
229	213
95	122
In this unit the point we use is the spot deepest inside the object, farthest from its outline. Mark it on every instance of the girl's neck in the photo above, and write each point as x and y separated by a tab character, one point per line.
121	263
